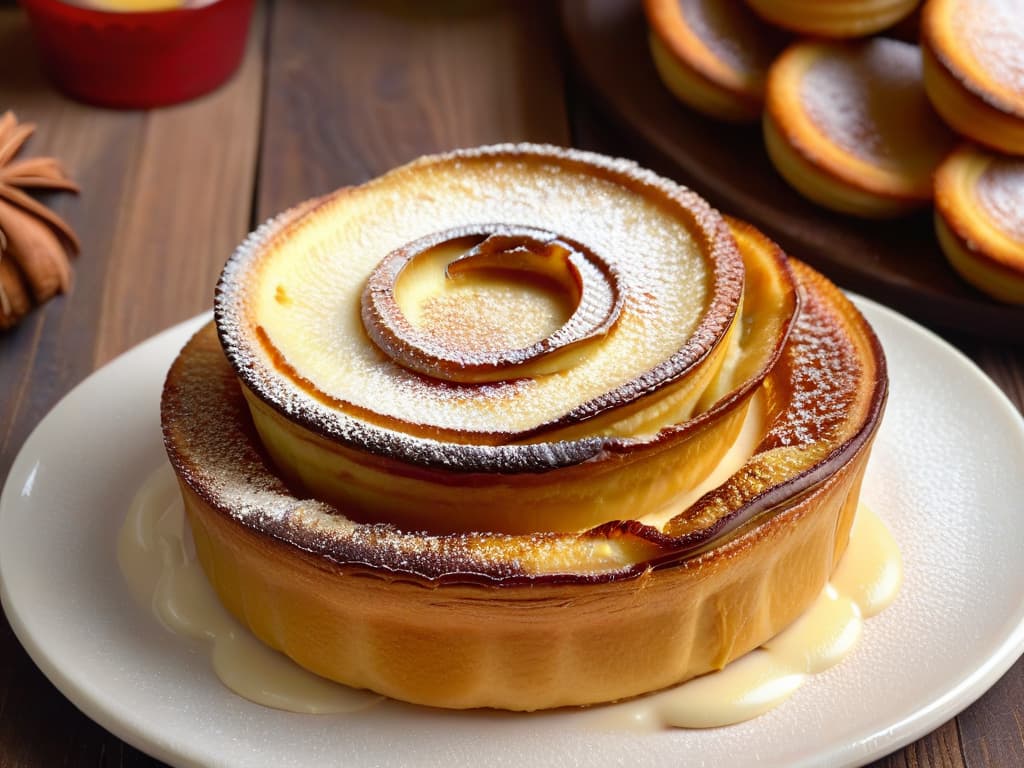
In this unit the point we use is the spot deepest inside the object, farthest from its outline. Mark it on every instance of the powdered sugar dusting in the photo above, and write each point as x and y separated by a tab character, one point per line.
214	449
204	417
824	373
826	405
869	99
1000	190
993	31
631	217
732	31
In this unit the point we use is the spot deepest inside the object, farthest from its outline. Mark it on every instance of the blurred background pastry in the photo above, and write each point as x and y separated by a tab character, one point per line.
974	68
979	199
713	55
849	126
833	18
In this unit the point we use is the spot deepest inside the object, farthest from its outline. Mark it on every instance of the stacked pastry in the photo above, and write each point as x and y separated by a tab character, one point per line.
863	126
520	427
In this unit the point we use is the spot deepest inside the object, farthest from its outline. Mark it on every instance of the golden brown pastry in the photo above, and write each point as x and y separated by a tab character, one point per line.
849	126
834	18
520	553
979	219
713	54
974	70
608	316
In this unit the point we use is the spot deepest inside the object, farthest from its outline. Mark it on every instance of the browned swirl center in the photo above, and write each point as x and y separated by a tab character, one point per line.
477	335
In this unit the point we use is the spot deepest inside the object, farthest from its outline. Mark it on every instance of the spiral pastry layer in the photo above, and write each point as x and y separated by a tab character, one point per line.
648	509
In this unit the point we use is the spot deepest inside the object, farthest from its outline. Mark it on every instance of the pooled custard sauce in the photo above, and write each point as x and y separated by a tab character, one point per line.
156	557
865	582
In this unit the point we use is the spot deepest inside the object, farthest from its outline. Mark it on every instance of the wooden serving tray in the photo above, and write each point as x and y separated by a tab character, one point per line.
897	262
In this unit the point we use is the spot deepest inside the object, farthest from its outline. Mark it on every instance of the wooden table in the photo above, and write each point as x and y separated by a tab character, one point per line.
330	93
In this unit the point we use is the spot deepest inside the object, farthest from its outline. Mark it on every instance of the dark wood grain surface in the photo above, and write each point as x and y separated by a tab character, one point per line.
330	94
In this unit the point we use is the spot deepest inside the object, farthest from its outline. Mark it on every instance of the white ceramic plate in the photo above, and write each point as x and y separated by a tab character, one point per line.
945	475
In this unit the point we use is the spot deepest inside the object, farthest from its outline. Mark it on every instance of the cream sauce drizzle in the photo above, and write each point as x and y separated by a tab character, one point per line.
867	580
156	557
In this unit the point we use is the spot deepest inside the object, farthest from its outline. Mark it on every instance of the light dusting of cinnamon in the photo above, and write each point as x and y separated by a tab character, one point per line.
501	317
823	374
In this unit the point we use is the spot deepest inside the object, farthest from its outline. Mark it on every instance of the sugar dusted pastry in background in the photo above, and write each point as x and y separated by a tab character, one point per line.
849	126
974	68
713	54
979	219
834	18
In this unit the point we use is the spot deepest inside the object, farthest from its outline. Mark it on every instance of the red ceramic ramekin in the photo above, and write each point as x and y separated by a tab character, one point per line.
139	60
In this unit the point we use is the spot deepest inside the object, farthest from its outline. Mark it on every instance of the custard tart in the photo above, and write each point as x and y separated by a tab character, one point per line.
974	69
849	126
834	18
713	55
520	427
979	219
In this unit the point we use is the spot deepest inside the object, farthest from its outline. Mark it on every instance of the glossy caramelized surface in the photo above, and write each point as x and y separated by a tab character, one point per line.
979	208
850	125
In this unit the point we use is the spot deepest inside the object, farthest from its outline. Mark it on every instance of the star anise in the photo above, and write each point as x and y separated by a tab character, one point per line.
34	241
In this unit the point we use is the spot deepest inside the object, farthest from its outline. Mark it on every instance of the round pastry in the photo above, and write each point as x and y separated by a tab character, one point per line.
440	556
834	18
979	219
974	69
519	311
849	126
713	55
